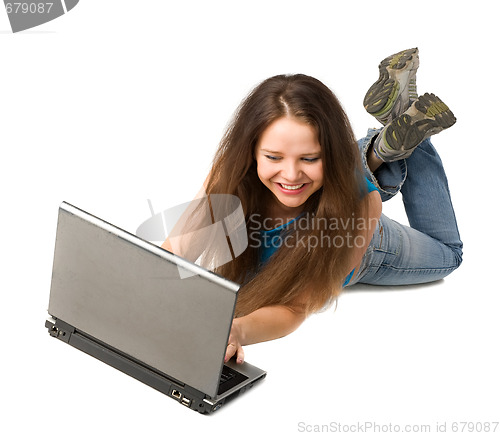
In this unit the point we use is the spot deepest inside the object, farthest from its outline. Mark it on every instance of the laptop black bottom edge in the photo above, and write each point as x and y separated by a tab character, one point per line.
176	390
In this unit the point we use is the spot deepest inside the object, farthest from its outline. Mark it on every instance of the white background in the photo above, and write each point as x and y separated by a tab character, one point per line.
122	101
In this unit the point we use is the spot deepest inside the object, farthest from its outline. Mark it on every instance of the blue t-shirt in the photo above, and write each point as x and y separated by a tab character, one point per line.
271	239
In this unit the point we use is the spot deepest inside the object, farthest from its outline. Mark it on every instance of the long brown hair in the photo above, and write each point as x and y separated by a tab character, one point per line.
297	268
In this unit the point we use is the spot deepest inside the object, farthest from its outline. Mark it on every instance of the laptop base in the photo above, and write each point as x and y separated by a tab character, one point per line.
185	395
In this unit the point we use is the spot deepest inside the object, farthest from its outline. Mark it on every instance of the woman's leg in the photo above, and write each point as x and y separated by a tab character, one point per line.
399	158
431	248
427	199
388	178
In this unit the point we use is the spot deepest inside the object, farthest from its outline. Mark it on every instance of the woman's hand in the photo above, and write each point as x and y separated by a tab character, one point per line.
265	324
234	344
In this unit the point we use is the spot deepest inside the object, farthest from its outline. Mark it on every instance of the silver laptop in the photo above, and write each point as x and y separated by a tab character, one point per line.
122	300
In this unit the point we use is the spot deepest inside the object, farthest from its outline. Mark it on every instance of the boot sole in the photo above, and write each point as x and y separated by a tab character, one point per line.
396	71
428	116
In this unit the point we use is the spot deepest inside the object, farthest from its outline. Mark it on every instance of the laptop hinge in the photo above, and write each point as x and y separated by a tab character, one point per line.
59	329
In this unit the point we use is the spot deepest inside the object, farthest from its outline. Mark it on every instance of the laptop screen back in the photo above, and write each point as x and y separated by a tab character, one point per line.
128	293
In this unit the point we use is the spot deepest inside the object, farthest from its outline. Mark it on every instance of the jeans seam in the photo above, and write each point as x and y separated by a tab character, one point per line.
419	270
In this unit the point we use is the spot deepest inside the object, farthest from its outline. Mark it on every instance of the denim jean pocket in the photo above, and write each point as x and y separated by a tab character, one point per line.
387	236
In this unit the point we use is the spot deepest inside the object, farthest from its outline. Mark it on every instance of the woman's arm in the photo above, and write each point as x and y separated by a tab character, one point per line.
178	245
273	322
264	324
373	204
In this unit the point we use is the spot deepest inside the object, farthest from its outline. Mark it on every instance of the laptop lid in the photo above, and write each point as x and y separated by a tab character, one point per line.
128	293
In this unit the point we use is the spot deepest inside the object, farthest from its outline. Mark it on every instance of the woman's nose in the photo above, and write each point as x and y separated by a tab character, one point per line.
291	171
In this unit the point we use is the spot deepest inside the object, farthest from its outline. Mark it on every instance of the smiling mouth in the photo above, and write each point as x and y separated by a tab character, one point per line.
291	187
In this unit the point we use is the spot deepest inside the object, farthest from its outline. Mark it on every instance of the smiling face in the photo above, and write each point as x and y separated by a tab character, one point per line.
289	164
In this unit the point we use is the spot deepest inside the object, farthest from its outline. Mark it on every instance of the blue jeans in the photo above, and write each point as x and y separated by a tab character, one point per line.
430	248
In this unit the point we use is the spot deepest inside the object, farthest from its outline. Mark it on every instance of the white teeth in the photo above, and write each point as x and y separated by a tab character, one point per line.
292	187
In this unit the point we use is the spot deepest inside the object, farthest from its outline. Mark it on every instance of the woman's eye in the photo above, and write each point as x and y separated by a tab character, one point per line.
273	158
305	159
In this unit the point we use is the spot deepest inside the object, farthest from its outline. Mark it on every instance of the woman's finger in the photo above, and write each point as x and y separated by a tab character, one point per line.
240	355
230	351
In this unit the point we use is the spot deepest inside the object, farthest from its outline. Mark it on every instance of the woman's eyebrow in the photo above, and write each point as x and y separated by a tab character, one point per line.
265	150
